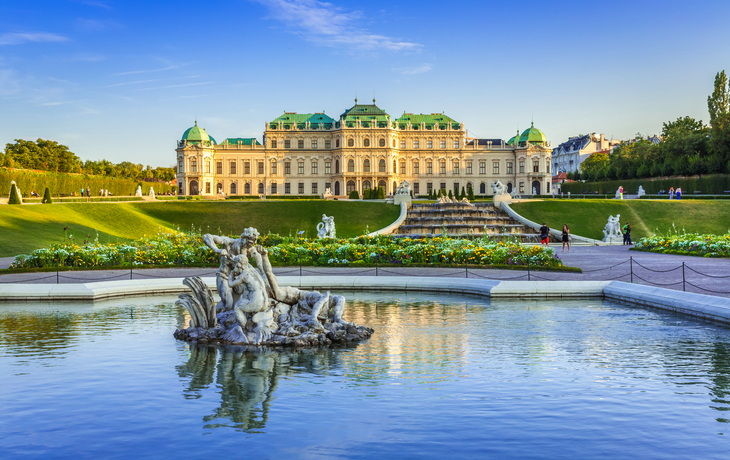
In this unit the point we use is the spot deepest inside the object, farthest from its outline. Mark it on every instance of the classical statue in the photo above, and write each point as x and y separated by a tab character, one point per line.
498	188
641	191
326	228
138	192
152	192
404	188
254	309
612	229
534	191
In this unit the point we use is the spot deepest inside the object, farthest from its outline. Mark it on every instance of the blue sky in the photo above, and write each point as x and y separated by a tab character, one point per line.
122	80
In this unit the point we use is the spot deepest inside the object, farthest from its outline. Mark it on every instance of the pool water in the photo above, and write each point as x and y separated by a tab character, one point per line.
443	376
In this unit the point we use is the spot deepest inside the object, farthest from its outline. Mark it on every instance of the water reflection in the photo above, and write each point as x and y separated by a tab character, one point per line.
247	377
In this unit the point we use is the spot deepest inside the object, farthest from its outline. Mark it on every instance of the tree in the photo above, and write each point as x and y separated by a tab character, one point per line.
451	195
354	195
718	104
470	194
14	195
594	165
463	193
47	197
381	193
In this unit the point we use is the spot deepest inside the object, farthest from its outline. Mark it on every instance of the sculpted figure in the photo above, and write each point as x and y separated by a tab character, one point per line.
404	188
613	227
138	192
498	188
326	228
254	301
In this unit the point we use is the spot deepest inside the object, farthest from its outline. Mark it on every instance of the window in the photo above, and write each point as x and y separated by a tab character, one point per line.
315	168
300	167
219	167
482	167
468	167
429	167
300	143
522	166
287	188
443	144
415	144
350	165
337	166
393	143
337	143
287	144
328	144
328	167
416	188
535	166
327	185
233	168
193	165
442	167
403	166
350	142
180	166
482	188
247	167
509	168
207	187
547	168
381	166
456	144
381	142
443	187
456	166
273	144
207	166
429	144
261	167
429	187
314	188
456	189
495	168
233	188
287	168
247	189
261	188
395	169
350	186
366	142
314	144
522	187
301	188
416	165
273	168
366	166
366	185
402	144
273	188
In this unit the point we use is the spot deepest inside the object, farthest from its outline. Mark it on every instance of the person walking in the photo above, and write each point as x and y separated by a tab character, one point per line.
627	234
544	234
671	193
566	237
621	191
679	193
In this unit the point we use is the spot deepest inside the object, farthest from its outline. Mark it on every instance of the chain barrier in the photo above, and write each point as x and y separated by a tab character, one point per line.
705	274
708	290
94	279
657	284
606	268
28	281
657	271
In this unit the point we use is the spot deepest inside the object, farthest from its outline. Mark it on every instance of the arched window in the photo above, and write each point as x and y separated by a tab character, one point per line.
482	188
219	189
194	187
393	143
350	142
233	188
381	184
381	166
337	143
366	142
365	184
337	166
261	188
247	188
366	166
350	186
350	166
382	143
395	167
443	187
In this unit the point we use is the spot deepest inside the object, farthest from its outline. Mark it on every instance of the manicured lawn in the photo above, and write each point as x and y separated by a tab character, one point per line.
588	217
28	227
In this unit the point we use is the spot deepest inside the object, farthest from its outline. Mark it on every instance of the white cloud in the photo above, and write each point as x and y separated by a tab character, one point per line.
148	71
423	68
17	38
328	25
176	86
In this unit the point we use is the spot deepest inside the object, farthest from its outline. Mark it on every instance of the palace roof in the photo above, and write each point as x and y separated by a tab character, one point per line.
532	135
289	119
242	141
432	121
197	135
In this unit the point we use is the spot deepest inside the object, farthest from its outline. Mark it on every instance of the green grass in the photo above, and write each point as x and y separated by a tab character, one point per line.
24	228
588	217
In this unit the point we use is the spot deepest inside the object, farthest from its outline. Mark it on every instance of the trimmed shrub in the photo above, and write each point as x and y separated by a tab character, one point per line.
712	184
47	197
14	195
354	195
381	193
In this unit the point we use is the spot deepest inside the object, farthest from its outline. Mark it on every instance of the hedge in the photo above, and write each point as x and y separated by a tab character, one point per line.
65	183
274	197
715	184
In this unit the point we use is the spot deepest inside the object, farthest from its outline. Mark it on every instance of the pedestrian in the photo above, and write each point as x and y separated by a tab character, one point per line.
544	234
627	234
671	193
82	191
566	237
568	194
623	232
621	192
561	194
679	193
553	193
88	192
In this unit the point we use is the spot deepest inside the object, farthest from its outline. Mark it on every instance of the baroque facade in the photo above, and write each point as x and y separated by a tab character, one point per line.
568	156
304	154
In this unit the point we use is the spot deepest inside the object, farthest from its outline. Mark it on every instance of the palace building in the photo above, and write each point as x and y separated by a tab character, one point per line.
304	154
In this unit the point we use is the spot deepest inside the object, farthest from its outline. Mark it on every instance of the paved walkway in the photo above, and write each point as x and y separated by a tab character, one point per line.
599	263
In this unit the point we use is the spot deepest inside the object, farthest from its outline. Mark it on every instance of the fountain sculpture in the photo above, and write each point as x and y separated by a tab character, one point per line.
253	308
326	228
613	229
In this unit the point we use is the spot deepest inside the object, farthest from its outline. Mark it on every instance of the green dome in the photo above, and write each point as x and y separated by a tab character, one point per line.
514	139
197	135
532	135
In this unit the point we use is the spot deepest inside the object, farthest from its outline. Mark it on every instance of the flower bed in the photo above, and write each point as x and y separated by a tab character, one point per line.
692	244
188	249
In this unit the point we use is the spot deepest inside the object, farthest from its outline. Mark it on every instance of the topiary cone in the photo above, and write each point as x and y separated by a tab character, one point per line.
14	195
47	197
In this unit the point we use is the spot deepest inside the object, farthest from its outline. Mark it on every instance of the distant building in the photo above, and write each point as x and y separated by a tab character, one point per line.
568	156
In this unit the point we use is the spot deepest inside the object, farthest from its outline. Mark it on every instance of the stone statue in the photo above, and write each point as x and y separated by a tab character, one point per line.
534	191
641	191
498	188
152	192
404	188
326	228
612	229
138	192
255	310
327	193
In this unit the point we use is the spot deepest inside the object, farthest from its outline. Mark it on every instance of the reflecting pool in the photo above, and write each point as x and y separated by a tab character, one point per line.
443	376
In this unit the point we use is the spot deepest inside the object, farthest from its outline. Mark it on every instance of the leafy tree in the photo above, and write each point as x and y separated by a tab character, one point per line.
594	165
718	104
47	197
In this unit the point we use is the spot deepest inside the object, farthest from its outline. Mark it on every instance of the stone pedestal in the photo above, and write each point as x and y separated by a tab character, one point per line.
503	198
402	198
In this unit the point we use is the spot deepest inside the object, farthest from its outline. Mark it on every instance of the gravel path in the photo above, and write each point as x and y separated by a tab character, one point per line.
597	262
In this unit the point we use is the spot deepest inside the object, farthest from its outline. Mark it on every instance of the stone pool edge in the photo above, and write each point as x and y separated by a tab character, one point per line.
711	308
